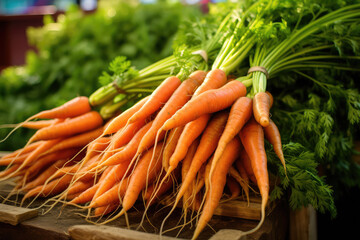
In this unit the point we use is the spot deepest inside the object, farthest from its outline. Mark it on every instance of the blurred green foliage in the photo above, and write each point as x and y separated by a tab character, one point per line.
76	48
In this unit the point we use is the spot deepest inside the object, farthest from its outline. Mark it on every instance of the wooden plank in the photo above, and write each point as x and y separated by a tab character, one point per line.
85	232
228	234
303	224
15	215
239	209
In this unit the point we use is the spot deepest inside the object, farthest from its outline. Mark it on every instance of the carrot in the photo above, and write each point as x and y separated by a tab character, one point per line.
115	175
207	102
146	170
85	196
207	146
205	149
42	177
237	177
96	147
122	137
112	195
73	108
9	170
154	192
272	134
271	98
261	108
191	132
130	149
233	186
17	153
79	187
120	121
38	124
214	79
240	167
252	138
101	211
88	194
50	158
181	95
54	187
244	157
14	160
34	155
79	140
217	182
79	124
159	97
170	145
240	113
185	168
68	170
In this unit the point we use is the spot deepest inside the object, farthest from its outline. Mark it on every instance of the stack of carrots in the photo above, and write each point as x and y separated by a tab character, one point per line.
189	137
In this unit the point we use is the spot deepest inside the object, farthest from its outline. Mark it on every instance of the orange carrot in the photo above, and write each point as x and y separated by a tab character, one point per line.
42	177
79	124
207	102
38	124
233	186
240	113
27	149
79	140
191	132
79	187
214	79
112	195
252	138
51	158
207	146
54	187
240	167
261	108
237	177
96	147
104	210
244	157
72	108
85	196
272	134
122	137
217	182
159	97
146	170
9	170
181	95
115	175
14	160
170	145
154	192
120	121
130	149
35	154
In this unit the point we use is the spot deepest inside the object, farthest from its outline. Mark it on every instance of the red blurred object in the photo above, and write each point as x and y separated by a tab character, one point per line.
13	40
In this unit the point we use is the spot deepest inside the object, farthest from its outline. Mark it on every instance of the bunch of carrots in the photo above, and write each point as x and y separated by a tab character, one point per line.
190	137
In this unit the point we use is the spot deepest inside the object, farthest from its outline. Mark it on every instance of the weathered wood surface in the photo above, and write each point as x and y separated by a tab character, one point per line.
55	224
15	215
303	224
86	232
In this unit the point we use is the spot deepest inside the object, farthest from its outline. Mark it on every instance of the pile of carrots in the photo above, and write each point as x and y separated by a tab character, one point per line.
182	144
202	133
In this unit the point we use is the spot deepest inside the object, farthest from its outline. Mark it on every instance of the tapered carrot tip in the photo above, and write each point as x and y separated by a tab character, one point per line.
264	121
